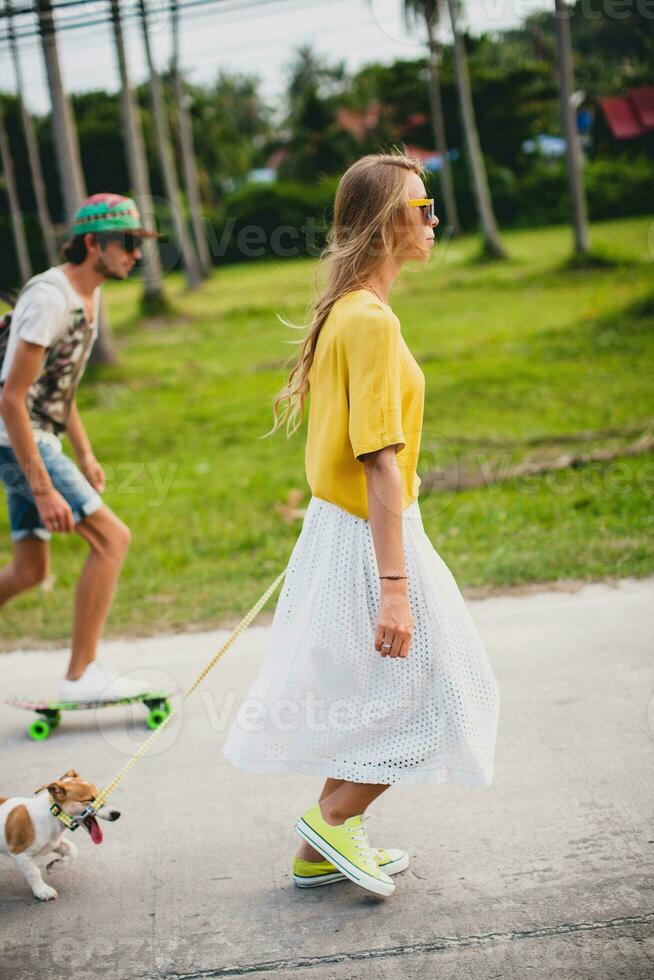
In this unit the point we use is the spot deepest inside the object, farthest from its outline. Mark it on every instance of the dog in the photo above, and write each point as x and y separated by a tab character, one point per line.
30	830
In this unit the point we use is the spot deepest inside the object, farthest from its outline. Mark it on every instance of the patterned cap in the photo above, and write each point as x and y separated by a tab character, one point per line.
109	212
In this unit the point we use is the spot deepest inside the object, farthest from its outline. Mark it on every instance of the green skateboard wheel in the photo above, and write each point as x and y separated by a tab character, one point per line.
39	730
167	707
156	717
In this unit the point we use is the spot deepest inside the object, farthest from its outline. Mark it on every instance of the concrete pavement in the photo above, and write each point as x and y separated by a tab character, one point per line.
546	873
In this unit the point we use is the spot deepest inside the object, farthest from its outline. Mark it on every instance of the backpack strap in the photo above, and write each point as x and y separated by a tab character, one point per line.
6	319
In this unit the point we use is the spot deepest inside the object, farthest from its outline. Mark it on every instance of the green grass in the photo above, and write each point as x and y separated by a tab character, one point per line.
530	351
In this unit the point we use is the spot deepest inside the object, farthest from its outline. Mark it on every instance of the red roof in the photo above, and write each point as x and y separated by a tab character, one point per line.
631	116
643	100
416	119
359	124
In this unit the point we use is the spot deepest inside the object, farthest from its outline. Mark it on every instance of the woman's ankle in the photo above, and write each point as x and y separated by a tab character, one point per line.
333	815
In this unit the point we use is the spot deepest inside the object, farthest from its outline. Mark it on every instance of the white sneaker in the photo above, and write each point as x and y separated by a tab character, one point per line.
97	684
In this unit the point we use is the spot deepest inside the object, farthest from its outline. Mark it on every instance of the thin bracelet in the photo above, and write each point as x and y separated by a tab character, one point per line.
393	576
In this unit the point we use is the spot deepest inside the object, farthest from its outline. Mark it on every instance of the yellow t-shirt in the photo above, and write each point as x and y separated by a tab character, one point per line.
366	392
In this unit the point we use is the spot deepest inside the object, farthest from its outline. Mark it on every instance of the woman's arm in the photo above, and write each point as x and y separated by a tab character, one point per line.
395	621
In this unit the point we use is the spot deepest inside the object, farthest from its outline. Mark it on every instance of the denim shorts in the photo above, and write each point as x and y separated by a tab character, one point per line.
24	518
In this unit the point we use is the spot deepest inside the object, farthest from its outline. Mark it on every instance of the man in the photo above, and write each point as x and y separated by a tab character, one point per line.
53	328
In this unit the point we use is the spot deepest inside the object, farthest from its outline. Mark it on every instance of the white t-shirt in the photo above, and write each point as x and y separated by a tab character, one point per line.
51	313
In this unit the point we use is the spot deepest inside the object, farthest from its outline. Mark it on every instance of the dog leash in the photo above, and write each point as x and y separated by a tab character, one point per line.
102	796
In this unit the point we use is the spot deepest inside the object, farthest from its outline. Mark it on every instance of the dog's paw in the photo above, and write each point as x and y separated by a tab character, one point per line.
45	893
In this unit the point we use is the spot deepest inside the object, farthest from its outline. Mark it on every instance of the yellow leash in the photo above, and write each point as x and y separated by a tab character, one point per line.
143	748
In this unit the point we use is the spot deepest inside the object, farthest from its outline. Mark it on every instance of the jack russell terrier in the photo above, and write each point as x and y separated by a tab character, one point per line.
34	826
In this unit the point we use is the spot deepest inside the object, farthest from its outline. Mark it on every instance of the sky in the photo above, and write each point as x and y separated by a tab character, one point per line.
258	39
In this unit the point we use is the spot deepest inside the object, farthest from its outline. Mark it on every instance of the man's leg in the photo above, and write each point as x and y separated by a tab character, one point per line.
28	567
108	538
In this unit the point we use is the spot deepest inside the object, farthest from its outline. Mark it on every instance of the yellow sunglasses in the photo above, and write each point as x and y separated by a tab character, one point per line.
426	205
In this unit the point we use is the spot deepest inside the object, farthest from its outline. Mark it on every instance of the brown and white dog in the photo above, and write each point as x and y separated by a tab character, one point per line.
29	830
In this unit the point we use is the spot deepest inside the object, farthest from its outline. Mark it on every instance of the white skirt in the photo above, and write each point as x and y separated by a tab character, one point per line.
326	702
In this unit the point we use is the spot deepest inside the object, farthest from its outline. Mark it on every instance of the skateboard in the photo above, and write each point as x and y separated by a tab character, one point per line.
49	712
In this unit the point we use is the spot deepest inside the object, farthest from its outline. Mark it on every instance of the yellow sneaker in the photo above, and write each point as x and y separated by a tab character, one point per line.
310	874
346	846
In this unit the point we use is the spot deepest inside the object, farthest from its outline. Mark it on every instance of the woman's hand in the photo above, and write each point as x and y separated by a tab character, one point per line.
395	620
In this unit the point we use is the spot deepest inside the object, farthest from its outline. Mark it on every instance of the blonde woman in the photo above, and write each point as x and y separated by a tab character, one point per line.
374	674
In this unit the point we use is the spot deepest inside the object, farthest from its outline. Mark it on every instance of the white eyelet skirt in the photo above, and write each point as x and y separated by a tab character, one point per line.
325	702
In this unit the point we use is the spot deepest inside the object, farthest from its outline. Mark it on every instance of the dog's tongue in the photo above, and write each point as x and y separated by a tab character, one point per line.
96	833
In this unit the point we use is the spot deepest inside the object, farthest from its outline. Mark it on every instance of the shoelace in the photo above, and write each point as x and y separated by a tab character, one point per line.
360	840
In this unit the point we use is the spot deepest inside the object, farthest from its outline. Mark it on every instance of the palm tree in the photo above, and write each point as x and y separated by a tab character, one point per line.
38	184
189	165
18	227
63	123
492	241
569	120
167	160
431	11
69	164
136	160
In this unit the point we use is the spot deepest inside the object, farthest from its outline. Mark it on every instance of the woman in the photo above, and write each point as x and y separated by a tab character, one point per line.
374	673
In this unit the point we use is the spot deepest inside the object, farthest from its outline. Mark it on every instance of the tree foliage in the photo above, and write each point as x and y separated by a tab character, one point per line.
515	92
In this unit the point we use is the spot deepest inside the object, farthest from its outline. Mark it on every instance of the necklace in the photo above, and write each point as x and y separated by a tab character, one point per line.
373	290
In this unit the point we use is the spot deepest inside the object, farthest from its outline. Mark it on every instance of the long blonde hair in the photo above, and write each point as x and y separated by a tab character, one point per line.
367	210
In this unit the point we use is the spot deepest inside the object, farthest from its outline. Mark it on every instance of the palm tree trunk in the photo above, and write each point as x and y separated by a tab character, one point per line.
492	241
189	163
189	257
38	184
63	124
136	161
438	125
68	157
18	227
569	120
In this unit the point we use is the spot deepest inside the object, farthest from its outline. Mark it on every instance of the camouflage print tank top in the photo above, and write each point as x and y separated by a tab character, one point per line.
50	397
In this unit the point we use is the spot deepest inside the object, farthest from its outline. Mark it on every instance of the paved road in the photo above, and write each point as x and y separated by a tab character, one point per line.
547	873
